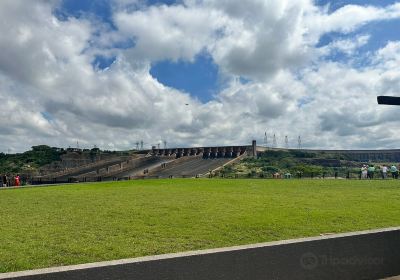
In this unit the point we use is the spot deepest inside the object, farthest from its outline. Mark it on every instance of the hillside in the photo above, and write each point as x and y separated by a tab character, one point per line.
29	161
45	159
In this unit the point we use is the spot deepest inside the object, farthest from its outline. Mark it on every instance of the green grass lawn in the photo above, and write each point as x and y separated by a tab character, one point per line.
61	225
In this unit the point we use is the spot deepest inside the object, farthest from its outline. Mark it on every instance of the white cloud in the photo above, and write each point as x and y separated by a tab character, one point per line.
350	17
346	46
168	32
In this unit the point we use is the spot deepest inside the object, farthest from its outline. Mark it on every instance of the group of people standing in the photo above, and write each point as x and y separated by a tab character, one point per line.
10	181
368	171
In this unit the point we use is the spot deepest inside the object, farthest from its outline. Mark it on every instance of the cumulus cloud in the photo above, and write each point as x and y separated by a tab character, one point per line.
163	32
52	93
346	46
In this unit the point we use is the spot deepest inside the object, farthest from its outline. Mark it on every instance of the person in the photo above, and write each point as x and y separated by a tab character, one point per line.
370	172
364	172
276	175
393	170
384	172
17	180
7	180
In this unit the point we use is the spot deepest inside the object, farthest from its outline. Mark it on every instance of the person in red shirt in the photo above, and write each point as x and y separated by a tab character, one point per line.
17	182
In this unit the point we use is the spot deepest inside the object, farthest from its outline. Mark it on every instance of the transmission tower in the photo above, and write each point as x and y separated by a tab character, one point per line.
165	144
141	145
274	142
158	146
286	142
299	143
137	146
266	140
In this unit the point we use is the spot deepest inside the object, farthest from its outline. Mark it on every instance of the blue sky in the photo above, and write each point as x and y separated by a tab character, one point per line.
199	78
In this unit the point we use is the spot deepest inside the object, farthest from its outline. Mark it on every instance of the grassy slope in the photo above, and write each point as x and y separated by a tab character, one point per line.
41	227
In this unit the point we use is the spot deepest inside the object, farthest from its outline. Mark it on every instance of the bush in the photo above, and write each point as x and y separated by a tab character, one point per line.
271	169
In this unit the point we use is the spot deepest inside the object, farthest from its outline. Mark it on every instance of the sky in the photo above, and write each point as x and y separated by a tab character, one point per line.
198	72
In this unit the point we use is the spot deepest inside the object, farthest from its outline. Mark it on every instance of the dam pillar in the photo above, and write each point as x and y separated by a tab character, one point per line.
229	152
186	152
214	152
200	151
174	152
222	152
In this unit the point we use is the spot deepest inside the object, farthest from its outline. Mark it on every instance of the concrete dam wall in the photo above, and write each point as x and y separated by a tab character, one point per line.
392	155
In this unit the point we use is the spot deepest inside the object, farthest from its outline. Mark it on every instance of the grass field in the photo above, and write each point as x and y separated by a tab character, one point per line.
61	225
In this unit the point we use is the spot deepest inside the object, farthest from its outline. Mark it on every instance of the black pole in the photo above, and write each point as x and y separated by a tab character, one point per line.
389	100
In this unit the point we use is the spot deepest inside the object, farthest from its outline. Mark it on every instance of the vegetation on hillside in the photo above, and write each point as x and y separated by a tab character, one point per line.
29	161
294	162
39	156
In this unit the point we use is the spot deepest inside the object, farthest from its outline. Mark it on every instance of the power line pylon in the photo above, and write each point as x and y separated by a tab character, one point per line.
265	140
299	142
274	142
286	142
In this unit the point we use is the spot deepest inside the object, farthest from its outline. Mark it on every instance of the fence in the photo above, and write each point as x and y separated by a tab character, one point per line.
304	175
